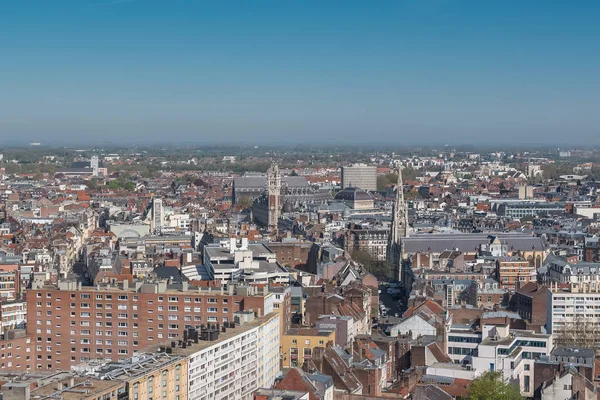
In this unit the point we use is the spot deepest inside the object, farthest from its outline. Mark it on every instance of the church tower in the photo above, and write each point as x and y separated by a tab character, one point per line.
274	196
399	228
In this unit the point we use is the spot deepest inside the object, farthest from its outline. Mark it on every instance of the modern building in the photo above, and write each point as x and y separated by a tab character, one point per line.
146	375
360	176
512	353
231	361
13	315
231	261
573	313
158	218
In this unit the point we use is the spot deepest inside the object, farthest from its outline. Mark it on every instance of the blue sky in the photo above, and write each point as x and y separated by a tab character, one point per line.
422	71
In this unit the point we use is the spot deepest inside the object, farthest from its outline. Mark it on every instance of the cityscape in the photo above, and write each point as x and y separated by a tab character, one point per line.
241	273
299	200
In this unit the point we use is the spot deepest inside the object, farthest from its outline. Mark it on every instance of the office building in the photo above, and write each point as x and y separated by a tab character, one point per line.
361	176
157	216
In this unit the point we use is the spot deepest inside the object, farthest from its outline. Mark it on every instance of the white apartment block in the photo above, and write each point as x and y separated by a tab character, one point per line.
242	360
576	307
511	352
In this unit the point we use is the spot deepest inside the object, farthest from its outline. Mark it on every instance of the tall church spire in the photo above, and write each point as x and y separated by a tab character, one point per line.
400	216
399	228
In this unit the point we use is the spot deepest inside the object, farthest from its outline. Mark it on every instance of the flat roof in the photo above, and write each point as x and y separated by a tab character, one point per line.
205	344
95	386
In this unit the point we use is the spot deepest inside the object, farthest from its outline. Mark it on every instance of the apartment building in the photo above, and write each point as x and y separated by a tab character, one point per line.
70	323
16	351
297	345
68	388
146	376
573	312
566	270
230	362
13	315
513	273
512	353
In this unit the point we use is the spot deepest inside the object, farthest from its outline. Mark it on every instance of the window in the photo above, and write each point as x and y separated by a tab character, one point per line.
212	309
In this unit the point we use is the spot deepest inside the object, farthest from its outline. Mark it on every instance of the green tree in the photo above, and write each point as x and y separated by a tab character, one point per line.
491	386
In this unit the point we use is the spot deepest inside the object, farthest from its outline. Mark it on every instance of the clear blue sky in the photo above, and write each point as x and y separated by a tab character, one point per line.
421	71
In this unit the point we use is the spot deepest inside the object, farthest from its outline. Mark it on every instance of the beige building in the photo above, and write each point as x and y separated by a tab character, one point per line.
147	376
359	176
297	345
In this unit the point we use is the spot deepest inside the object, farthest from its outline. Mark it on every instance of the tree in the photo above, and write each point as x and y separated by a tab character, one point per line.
578	332
244	202
491	386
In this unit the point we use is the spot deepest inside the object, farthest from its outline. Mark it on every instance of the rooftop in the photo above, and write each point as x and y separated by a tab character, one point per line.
205	344
83	388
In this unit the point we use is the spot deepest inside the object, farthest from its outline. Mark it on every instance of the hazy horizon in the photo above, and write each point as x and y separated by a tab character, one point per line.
79	72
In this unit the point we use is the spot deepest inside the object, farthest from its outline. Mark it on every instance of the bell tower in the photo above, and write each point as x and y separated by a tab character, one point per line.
274	196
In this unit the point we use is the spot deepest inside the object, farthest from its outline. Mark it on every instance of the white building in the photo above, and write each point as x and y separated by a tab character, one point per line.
416	325
157	216
231	260
462	343
512	353
240	361
574	308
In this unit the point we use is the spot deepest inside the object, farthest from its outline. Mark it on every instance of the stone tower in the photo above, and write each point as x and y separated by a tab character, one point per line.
399	228
274	196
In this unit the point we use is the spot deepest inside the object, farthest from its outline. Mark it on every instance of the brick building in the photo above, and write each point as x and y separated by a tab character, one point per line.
295	254
69	324
513	273
530	303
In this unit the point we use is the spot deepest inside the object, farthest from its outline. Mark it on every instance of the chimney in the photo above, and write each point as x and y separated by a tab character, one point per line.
184	286
71	381
125	284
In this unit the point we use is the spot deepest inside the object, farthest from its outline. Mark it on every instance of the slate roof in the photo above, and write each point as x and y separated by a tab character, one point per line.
468	242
